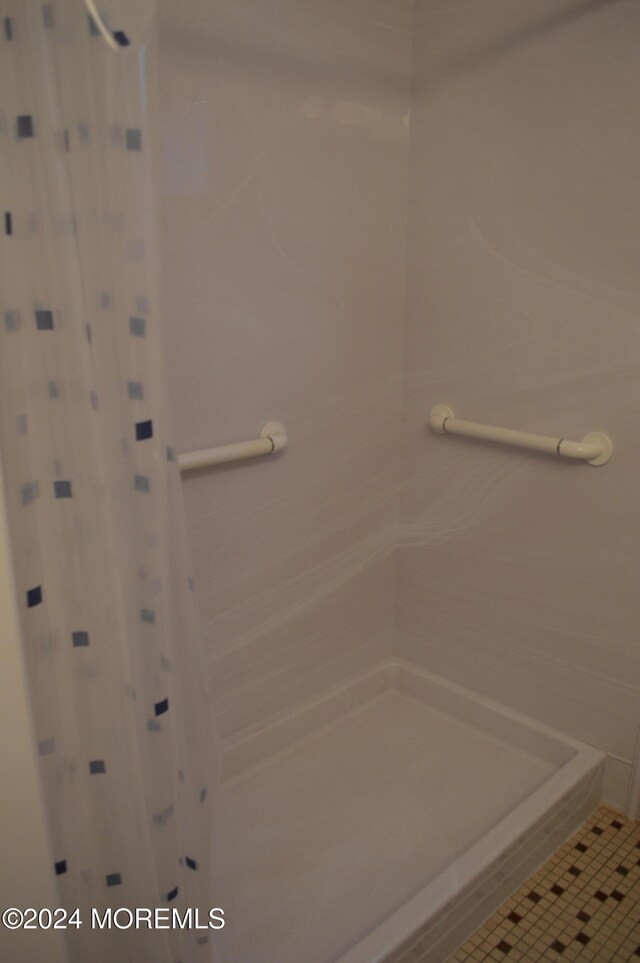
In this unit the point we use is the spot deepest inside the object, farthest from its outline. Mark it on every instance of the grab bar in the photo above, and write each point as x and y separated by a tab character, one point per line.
595	448
273	437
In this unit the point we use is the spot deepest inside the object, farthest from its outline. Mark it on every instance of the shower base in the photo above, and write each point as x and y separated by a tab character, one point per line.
387	820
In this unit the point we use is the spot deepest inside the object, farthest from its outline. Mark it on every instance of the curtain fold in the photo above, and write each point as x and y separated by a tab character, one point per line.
121	708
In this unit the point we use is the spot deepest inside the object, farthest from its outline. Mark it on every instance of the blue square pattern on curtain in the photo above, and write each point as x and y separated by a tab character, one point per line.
97	524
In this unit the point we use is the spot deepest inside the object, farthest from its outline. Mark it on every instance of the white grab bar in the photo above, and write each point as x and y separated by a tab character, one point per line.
595	448
273	437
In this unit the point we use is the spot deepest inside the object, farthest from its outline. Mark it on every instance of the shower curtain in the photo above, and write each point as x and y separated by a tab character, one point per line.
120	706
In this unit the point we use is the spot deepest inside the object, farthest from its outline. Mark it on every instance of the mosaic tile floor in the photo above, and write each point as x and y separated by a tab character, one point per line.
583	904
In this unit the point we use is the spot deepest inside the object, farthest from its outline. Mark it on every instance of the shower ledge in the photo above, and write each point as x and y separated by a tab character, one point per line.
424	798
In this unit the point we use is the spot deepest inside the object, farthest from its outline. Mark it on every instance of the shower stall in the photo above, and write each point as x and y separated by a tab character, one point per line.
314	233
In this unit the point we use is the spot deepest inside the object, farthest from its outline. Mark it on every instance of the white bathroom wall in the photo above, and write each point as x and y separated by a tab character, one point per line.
520	573
285	186
285	195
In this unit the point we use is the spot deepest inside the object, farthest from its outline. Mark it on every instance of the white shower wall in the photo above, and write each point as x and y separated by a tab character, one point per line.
286	198
519	573
285	187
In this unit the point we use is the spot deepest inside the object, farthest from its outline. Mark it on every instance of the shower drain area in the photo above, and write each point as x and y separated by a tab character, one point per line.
403	822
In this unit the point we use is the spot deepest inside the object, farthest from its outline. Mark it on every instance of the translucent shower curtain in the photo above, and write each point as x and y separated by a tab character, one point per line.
121	710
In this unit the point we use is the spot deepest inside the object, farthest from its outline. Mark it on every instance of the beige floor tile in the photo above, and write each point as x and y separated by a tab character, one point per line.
592	915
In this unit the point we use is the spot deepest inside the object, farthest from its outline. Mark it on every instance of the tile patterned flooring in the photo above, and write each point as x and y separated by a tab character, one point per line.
583	904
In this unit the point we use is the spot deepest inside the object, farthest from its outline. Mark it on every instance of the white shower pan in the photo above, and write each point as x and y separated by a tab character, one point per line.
387	820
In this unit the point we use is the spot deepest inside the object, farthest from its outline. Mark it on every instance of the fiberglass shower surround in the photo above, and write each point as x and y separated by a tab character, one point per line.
377	208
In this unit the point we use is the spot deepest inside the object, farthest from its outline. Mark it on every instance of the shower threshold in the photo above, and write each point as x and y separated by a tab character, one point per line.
387	820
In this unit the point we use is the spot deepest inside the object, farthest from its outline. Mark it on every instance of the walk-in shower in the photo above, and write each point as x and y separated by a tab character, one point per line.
280	648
